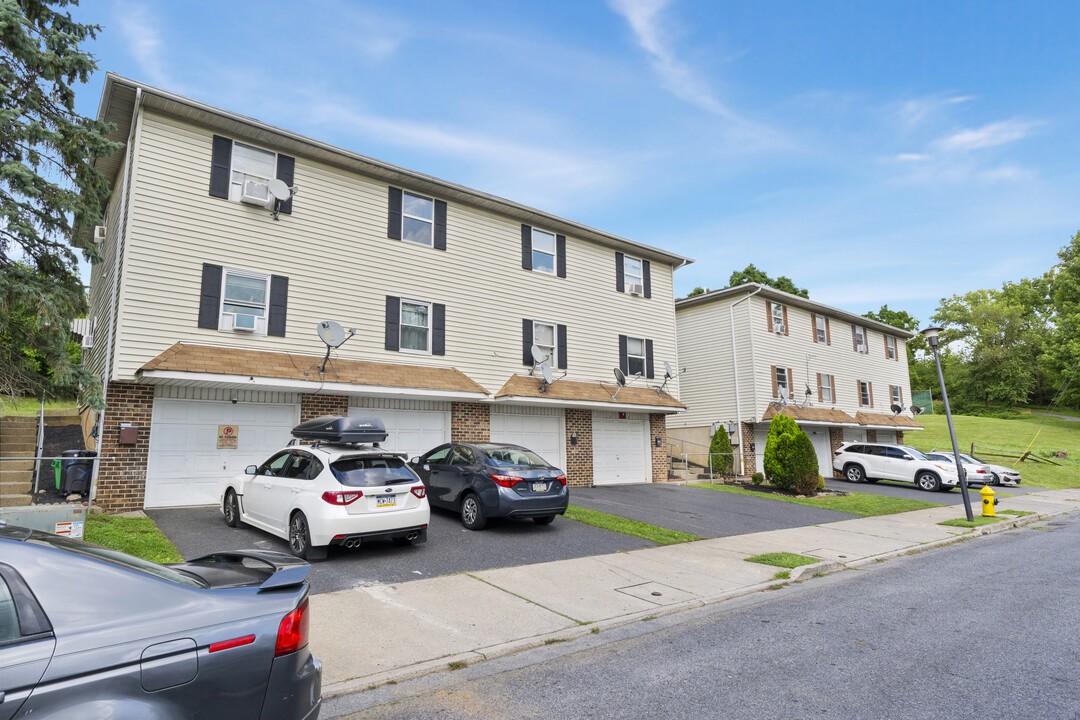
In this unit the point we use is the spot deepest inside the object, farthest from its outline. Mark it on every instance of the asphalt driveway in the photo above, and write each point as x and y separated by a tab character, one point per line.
700	511
450	547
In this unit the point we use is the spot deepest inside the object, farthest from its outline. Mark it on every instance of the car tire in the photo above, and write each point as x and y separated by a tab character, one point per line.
472	513
300	539
995	479
928	481
854	473
546	520
232	510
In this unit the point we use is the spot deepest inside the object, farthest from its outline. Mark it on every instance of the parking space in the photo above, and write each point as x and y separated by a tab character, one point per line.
450	547
903	489
700	511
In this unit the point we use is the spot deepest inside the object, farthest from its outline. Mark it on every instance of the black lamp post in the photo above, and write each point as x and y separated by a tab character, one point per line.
931	335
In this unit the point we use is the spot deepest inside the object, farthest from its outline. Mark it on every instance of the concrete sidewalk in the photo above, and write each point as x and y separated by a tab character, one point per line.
372	635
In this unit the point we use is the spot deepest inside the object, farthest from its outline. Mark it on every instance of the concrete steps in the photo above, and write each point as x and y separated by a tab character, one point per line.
15	500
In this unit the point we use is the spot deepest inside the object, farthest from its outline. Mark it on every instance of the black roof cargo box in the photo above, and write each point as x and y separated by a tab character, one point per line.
341	429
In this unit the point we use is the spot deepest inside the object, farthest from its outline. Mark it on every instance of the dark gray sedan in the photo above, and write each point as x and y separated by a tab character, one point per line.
90	633
488	480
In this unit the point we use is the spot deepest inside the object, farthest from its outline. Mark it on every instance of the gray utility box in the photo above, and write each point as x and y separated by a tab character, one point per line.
58	519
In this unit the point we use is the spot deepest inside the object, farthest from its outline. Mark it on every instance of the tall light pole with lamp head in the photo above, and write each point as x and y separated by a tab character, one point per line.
931	334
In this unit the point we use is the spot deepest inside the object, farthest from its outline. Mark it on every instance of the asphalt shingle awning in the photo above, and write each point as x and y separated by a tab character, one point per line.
589	394
887	422
824	416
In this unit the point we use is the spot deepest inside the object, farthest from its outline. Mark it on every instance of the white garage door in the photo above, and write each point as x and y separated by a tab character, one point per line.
820	438
620	452
412	432
886	436
854	435
185	466
543	434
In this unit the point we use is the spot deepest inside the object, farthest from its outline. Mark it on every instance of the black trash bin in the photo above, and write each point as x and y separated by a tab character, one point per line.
76	469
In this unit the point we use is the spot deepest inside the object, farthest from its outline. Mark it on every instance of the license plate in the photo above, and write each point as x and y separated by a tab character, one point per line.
386	501
540	487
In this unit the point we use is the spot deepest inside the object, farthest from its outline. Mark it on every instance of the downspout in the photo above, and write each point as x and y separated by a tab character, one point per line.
107	367
735	369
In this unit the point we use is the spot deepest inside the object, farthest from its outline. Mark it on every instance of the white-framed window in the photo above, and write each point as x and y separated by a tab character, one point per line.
543	251
860	339
633	275
635	356
417	218
544	338
822	333
244	298
415	327
783	388
864	393
826	388
777	316
890	347
895	395
251	165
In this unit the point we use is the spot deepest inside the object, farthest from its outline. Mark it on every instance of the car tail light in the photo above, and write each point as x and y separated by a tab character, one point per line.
506	480
235	642
419	492
562	479
340	497
837	453
292	633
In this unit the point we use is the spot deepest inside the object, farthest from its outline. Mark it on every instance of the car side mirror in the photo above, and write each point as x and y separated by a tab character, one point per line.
908	457
251	470
415	460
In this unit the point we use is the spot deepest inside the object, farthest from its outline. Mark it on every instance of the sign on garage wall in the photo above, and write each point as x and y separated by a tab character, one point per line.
226	437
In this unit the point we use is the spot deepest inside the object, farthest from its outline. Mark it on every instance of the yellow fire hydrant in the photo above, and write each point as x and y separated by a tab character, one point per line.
989	501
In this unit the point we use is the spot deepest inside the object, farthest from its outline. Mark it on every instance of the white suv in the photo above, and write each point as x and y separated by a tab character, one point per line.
870	462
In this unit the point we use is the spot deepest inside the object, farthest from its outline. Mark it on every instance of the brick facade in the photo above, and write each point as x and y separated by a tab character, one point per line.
121	476
470	422
836	438
313	406
579	468
899	437
749	458
661	460
871	436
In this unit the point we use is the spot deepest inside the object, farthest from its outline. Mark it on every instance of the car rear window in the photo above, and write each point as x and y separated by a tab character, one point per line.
117	558
516	457
369	471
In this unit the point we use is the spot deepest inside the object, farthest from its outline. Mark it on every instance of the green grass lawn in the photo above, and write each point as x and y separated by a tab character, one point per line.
977	522
31	406
857	503
1013	435
135	536
659	535
784	560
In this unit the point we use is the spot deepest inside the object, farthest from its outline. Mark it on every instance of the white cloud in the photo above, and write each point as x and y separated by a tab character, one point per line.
915	112
372	35
987	136
913	157
140	30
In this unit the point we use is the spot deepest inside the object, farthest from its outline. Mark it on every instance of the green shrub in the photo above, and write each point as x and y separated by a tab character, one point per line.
757	478
777	450
724	463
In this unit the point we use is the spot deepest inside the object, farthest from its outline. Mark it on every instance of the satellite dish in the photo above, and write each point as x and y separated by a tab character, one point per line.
545	371
668	372
916	410
331	333
784	393
279	190
897	409
538	355
620	377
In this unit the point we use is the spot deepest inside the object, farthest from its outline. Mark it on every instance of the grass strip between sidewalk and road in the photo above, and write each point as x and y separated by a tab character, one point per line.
659	535
783	559
1019	513
979	521
137	536
863	504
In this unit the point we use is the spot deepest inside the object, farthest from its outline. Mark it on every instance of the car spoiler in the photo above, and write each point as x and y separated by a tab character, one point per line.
286	569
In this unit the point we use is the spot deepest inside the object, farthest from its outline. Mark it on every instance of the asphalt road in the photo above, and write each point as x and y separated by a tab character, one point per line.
450	547
903	489
981	629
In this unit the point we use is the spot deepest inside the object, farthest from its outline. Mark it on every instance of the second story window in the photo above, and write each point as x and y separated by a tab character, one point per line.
543	251
243	302
252	169
858	339
890	347
866	396
635	356
896	395
825	388
544	338
819	329
415	326
783	386
633	276
417	218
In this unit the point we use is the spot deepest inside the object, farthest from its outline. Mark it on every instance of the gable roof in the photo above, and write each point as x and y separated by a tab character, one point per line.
900	422
810	414
591	393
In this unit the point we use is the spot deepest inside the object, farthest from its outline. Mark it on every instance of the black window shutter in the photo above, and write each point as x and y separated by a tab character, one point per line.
620	279
526	247
393	322
623	364
220	167
438	329
210	297
560	255
646	277
440	225
285	168
526	342
393	224
648	359
561	341
279	299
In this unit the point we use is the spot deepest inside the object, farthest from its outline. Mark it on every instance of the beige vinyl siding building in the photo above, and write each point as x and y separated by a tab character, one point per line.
836	373
195	263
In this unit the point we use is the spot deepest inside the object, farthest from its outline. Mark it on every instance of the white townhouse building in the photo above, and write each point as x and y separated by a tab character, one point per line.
751	352
206	306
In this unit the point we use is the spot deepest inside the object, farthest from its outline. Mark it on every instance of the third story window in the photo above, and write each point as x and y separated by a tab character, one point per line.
777	315
544	338
543	251
633	278
860	339
890	347
635	356
415	326
864	393
251	165
417	218
819	321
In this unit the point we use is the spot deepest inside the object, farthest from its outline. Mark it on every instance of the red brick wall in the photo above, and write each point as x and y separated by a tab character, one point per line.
121	480
470	422
579	468
313	406
836	438
661	461
749	459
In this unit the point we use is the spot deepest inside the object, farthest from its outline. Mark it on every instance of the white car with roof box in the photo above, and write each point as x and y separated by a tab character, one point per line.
341	490
870	462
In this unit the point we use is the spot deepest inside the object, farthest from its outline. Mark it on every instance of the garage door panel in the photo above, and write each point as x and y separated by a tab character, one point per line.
545	435
412	432
620	452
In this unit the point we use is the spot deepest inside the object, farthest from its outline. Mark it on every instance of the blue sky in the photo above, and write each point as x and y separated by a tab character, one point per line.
873	152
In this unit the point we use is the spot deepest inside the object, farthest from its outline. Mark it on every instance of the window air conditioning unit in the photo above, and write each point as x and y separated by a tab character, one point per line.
88	337
244	323
255	193
99	234
636	289
780	328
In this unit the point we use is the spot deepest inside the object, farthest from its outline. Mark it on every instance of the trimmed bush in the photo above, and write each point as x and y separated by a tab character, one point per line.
722	464
790	461
757	478
804	465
